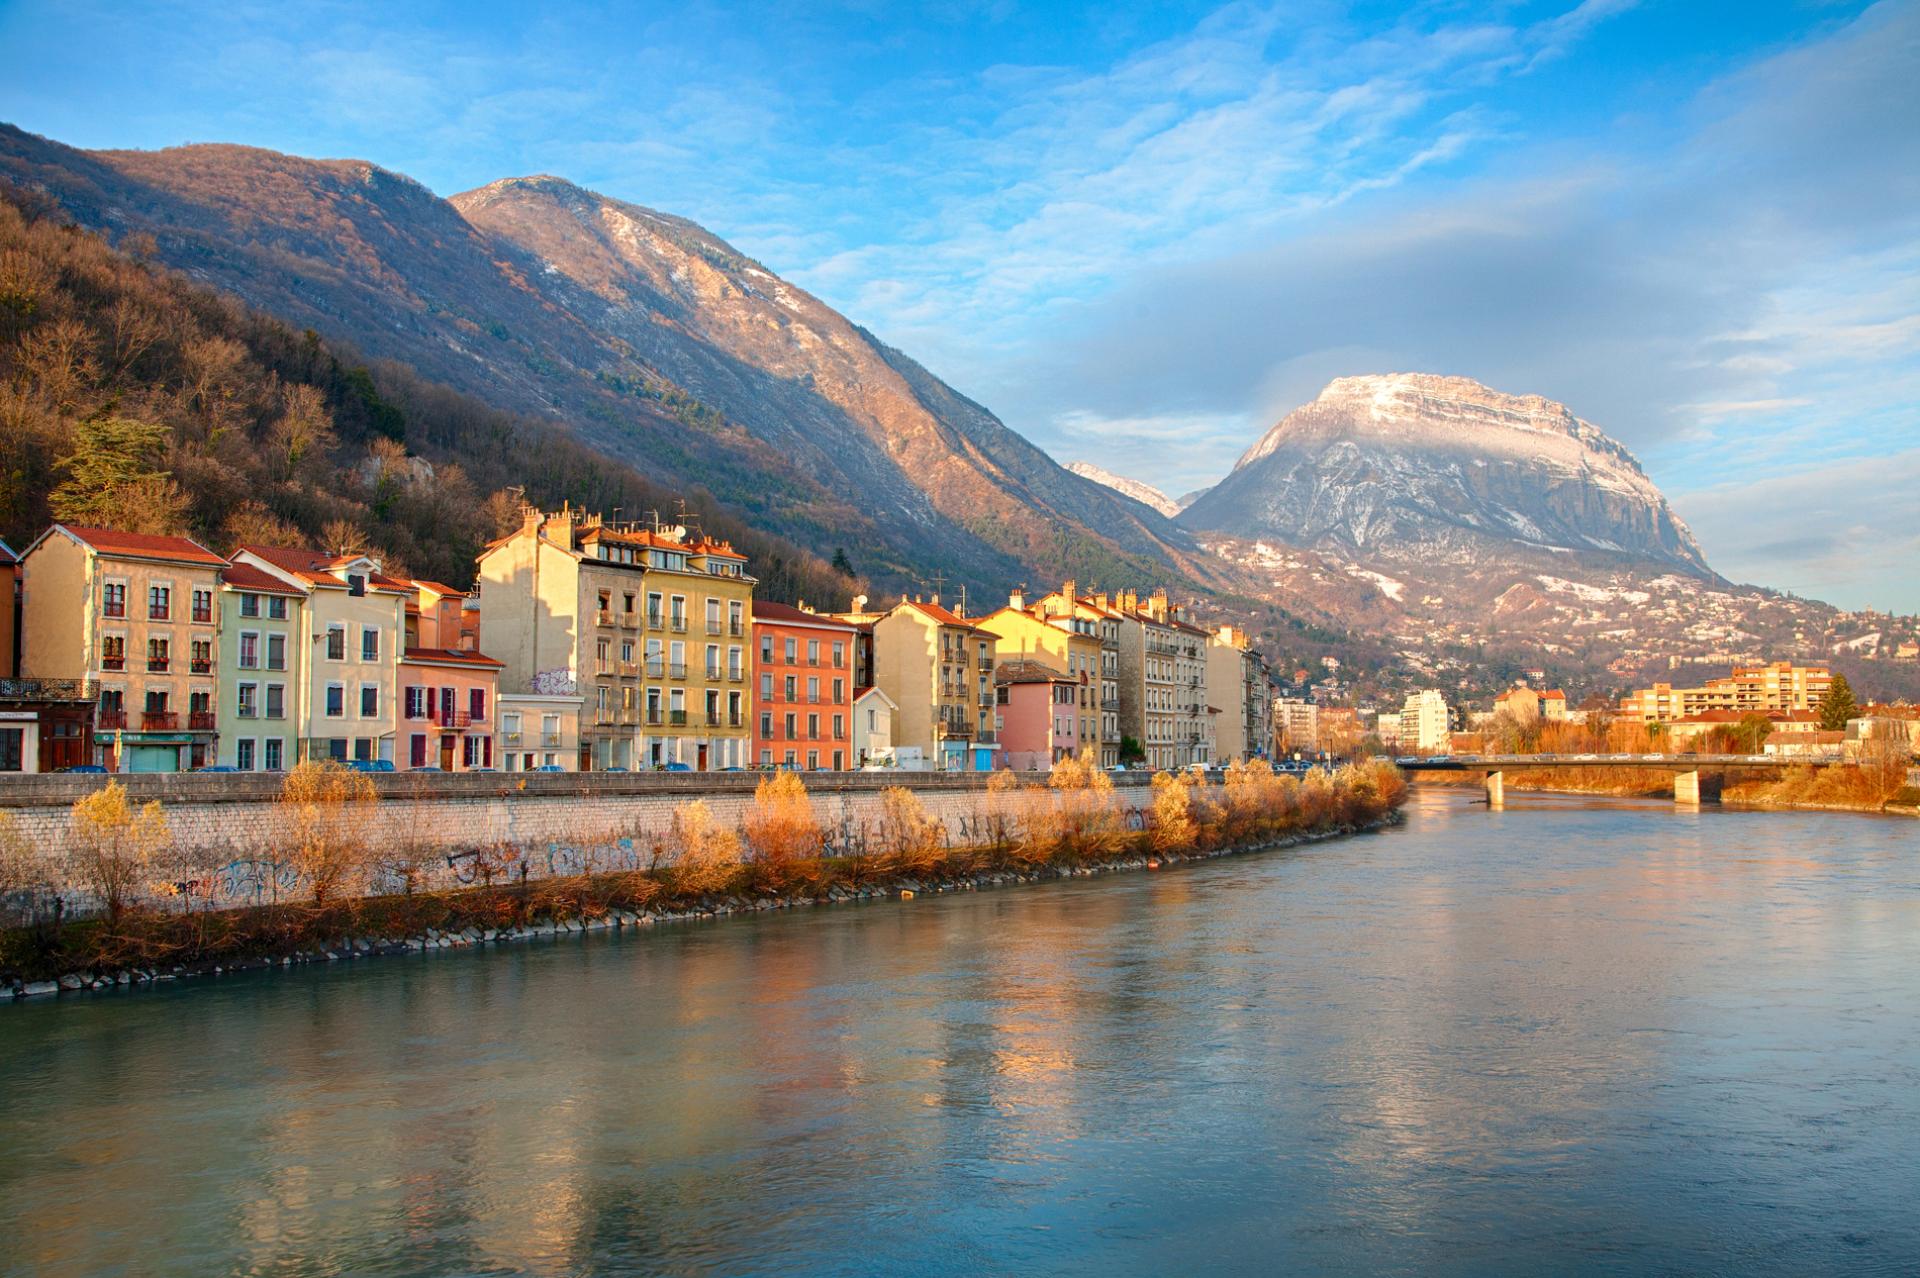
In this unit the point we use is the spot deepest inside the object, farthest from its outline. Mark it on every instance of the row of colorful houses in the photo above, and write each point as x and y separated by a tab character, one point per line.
585	645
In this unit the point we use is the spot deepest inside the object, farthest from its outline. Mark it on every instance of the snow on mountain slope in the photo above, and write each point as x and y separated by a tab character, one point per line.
1145	494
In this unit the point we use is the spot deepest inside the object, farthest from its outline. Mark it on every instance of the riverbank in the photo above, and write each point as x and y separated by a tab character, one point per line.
1035	834
471	918
1799	790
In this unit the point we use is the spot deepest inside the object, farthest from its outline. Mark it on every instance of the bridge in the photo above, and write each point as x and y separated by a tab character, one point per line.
1687	769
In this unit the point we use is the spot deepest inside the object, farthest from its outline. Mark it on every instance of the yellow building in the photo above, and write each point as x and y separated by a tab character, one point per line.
937	668
649	626
1066	643
1095	617
137	614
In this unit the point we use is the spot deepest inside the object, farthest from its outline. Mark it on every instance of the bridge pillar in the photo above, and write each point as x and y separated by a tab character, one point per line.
1686	788
1496	790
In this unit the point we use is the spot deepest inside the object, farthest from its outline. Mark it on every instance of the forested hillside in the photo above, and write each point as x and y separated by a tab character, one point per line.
133	397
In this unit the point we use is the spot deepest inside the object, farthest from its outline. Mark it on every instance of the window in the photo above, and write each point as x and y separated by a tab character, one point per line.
734	658
793	687
336	643
363	748
414	702
653	608
417	751
276	701
272	757
713	661
337	749
277	609
336	701
247	706
243	754
477	704
839	654
813	652
249	605
157	654
249	650
276	652
791	723
113	652
766	725
13	755
839	729
203	606
159	602
813	727
813	760
113	599
766	687
813	689
793	649
839	691
356	584
369	643
766	649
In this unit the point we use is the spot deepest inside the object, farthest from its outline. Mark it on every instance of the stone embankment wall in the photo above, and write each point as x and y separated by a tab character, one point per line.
228	827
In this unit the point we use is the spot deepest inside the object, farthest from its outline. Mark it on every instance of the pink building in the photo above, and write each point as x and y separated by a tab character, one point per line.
448	690
1037	711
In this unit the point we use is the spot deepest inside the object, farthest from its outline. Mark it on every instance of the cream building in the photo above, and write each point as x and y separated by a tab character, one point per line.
538	731
138	616
1424	723
937	668
264	650
872	728
649	626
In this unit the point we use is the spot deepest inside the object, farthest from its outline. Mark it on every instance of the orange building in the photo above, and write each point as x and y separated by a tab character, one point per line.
803	676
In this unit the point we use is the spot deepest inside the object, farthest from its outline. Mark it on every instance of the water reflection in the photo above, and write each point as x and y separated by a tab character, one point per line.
1570	1036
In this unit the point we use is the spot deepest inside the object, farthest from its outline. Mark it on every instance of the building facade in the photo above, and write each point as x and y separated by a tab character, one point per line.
937	669
1104	623
1778	687
538	731
1040	716
1425	723
803	681
649	626
873	728
135	616
265	644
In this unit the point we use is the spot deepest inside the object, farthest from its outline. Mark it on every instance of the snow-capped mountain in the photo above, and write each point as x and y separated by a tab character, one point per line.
1146	494
1424	470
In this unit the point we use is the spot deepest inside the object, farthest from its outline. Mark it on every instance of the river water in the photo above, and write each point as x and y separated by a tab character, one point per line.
1576	1036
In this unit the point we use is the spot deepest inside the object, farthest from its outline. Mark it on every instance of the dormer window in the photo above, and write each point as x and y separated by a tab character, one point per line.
356	584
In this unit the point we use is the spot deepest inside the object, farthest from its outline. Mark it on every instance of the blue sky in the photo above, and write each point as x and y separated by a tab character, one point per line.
1142	234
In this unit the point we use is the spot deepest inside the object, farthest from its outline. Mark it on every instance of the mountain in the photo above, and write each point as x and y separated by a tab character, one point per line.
1421	469
653	340
1145	494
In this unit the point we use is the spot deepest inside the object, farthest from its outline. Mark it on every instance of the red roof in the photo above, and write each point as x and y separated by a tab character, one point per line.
453	657
785	614
317	566
942	615
437	588
111	541
247	577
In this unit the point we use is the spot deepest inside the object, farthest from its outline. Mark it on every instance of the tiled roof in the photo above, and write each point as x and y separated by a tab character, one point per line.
944	616
1028	671
111	541
317	566
452	656
438	588
247	577
786	614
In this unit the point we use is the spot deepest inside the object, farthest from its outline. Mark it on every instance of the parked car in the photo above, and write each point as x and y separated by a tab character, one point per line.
677	767
216	767
91	769
613	769
370	765
547	767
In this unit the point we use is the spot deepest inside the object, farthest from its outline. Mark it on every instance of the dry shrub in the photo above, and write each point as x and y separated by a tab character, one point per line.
911	842
114	847
706	855
781	826
1172	828
1084	814
325	809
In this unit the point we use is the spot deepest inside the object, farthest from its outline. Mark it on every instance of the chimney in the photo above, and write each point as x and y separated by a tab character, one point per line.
1070	589
1017	599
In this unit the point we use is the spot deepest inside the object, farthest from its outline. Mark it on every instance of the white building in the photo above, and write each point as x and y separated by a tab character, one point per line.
1424	724
872	727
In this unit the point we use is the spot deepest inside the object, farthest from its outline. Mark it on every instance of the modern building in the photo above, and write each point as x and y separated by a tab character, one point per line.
354	631
1778	687
647	624
937	668
803	682
1425	723
1039	715
265	645
1296	722
133	615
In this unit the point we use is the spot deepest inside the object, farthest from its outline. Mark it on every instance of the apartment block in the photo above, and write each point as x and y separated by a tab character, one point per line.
803	688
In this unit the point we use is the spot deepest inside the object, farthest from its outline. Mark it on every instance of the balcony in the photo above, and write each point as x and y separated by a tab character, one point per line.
654	620
653	718
200	665
203	616
200	721
113	610
656	668
677	670
735	629
450	719
714	629
676	718
160	614
630	669
113	663
952	731
677	624
157	665
629	717
159	720
736	676
713	719
735	721
106	719
550	739
603	617
629	620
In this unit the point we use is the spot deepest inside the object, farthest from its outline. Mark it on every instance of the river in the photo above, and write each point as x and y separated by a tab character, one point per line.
1576	1036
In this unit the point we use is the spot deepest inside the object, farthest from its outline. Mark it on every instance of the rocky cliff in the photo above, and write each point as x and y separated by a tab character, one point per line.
1145	494
1427	470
